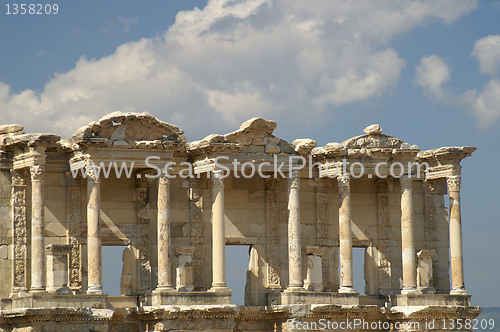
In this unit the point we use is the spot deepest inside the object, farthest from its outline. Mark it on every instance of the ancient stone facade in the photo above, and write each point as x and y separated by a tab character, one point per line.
130	179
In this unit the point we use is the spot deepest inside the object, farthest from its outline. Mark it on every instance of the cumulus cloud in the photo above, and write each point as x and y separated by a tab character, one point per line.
487	52
235	59
433	73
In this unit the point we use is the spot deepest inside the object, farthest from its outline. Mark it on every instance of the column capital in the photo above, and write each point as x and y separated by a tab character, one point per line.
453	182
37	172
218	178
294	179
18	177
343	180
93	175
272	183
406	182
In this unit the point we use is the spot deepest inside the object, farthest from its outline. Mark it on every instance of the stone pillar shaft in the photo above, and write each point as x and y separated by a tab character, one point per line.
164	235
218	231
93	233
345	235
408	237
294	243
37	229
456	255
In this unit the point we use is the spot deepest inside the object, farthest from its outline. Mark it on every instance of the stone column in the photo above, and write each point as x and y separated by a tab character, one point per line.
218	232
93	232
37	229
164	235
295	281
456	256
345	235
407	237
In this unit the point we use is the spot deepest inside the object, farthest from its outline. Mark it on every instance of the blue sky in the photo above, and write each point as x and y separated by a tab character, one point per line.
427	71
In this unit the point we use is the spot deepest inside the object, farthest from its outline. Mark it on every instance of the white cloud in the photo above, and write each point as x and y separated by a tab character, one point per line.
487	52
235	59
433	73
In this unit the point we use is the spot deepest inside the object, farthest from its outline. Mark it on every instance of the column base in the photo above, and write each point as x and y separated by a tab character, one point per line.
458	291
38	290
346	290
410	290
294	288
94	291
220	290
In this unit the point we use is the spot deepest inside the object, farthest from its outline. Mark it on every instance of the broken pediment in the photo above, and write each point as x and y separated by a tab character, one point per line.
126	127
256	132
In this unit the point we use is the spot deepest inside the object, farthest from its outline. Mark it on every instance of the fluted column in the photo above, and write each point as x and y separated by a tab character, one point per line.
37	229
345	235
164	235
93	232
218	232
408	237
295	280
456	255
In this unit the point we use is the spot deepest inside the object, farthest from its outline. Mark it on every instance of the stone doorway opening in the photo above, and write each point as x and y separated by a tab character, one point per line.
112	266
237	259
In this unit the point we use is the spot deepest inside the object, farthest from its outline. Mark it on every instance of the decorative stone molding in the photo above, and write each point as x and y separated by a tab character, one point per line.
272	234
143	238
196	211
19	226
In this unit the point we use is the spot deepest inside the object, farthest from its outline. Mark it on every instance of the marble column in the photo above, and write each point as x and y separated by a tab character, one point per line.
345	235
37	229
456	255
408	237
295	280
218	232
93	232
164	235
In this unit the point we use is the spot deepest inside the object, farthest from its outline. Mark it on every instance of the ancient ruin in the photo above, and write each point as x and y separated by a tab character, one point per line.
180	204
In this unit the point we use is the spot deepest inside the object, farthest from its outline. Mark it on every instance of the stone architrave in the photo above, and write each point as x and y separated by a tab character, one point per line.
345	235
94	253
272	234
19	227
295	281
456	254
37	229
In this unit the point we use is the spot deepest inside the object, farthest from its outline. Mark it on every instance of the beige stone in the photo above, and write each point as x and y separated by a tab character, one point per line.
300	229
